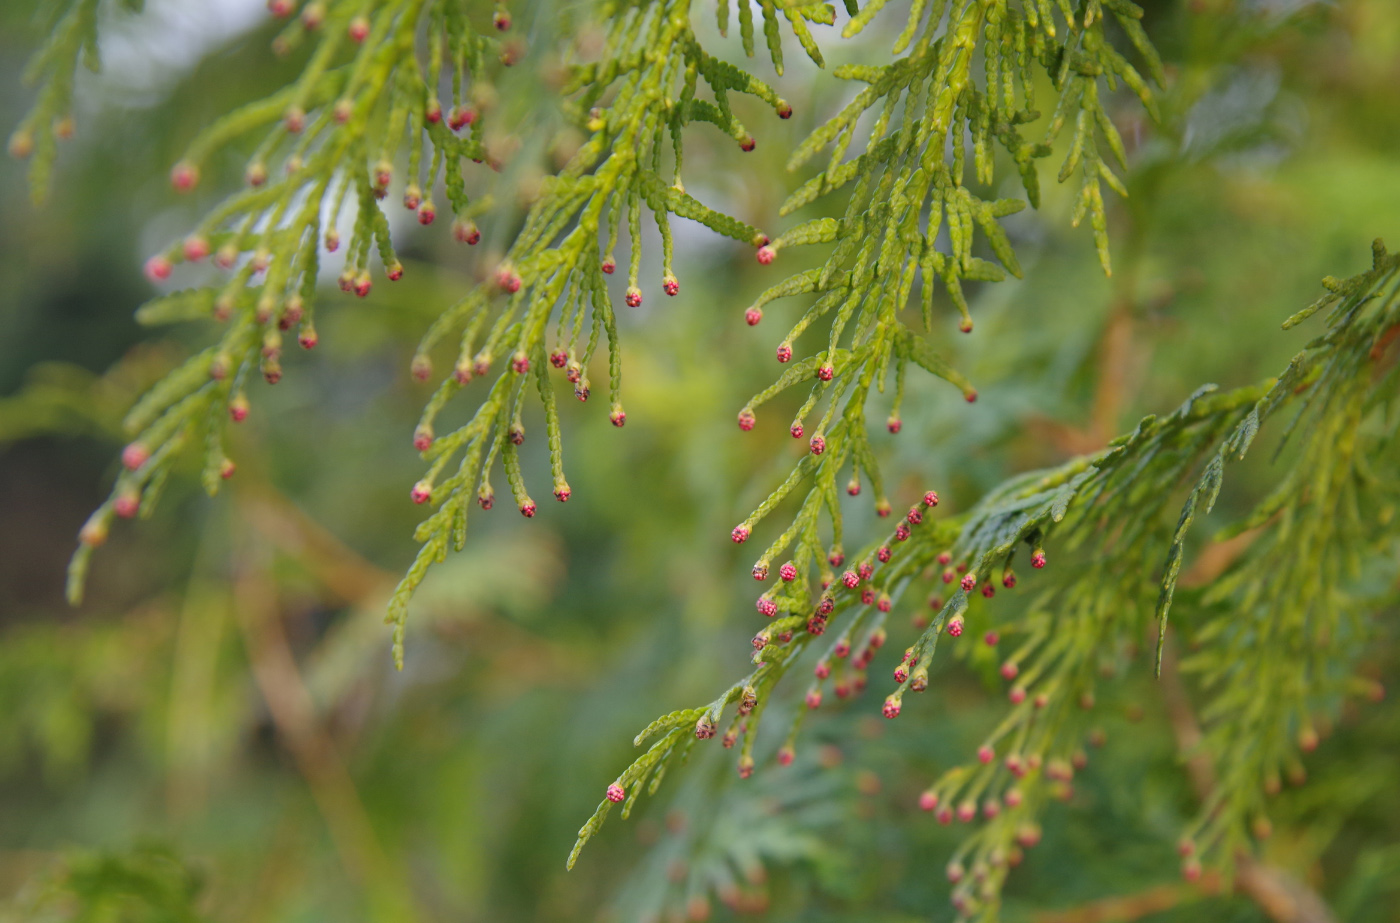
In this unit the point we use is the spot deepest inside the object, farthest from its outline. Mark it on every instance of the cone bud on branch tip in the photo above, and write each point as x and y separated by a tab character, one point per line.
126	504
94	531
460	117
184	176
135	455
705	727
466	231
21	144
158	269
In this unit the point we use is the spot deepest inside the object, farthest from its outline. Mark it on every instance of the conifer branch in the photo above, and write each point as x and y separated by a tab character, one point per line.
328	140
908	188
1278	641
366	97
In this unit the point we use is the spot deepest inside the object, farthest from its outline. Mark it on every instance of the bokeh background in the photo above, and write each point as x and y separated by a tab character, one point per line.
218	734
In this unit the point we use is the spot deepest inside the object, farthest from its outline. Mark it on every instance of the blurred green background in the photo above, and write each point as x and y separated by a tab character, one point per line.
217	733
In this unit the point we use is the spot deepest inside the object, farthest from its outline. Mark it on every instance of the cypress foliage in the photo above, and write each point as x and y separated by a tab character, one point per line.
397	96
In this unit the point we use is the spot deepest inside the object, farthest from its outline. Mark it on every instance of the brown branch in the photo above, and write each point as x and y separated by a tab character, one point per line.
1278	893
1118	360
1132	906
337	567
523	656
293	714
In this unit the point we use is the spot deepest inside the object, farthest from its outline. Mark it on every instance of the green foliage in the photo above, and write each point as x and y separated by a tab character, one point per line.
907	184
460	784
338	129
1269	625
147	885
